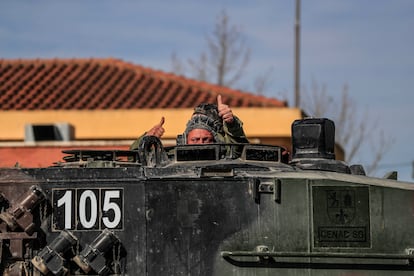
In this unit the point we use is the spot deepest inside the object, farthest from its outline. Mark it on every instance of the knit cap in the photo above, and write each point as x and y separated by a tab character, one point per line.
202	122
211	111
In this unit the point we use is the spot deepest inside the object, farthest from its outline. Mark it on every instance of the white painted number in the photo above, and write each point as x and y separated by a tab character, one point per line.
88	196
89	208
66	200
108	205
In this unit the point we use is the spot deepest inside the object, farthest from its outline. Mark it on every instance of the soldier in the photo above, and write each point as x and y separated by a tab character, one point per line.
209	123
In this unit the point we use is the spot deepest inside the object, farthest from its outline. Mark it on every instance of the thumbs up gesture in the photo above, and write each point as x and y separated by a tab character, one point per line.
157	130
224	111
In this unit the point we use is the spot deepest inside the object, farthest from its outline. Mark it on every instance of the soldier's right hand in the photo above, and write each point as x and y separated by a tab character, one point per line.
157	130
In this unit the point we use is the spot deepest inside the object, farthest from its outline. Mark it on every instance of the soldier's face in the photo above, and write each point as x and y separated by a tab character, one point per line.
199	136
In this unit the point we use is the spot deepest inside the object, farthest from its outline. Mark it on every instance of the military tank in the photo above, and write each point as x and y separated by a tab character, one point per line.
201	210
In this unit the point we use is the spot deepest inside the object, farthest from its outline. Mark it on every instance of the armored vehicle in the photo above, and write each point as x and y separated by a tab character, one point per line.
204	210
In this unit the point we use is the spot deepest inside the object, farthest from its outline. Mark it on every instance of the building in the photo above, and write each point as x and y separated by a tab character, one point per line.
50	105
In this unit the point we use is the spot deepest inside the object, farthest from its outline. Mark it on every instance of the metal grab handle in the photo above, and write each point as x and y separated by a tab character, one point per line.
268	259
145	151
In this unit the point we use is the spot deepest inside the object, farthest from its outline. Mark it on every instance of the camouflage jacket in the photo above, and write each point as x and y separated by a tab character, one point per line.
233	134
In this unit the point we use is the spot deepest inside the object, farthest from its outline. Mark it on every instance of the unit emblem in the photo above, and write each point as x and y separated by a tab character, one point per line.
340	206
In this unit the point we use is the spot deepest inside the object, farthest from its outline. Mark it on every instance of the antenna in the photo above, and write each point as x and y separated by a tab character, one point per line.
297	54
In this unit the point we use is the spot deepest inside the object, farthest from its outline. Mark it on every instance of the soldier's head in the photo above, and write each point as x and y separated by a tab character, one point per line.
201	129
204	126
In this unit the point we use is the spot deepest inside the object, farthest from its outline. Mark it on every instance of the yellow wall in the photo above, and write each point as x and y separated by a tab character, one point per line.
262	125
129	124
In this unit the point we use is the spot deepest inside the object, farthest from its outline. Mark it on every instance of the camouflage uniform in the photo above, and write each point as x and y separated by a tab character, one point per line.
206	117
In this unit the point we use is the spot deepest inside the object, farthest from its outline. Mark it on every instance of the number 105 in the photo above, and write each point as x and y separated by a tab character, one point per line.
87	209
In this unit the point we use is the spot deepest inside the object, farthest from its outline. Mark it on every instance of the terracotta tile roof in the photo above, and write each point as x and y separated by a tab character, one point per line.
65	84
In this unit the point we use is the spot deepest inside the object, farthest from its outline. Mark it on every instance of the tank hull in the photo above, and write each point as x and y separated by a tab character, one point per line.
183	221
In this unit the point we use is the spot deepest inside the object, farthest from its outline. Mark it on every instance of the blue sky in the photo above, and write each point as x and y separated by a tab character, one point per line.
365	44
